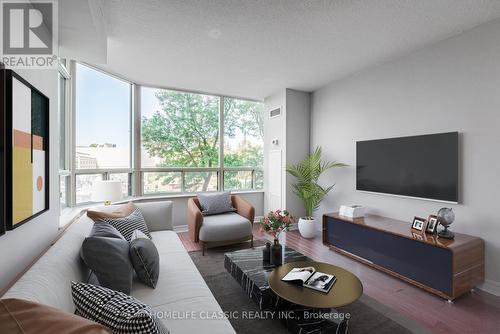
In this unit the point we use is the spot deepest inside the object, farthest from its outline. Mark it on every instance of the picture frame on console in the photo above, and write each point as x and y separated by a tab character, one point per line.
418	224
432	224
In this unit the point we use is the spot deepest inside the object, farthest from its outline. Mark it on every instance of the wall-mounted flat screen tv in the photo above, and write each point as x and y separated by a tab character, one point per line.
418	166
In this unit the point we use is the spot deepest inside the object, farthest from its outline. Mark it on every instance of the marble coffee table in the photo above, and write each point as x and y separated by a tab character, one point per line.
252	274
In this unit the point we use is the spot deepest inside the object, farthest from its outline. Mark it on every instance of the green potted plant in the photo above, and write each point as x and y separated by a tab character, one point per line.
307	173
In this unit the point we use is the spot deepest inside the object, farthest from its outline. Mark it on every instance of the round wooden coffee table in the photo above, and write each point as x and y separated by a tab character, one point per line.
346	290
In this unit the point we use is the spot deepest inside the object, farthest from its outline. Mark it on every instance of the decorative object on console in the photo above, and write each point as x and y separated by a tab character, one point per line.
446	216
418	224
115	310
432	224
417	236
106	191
275	223
307	189
353	211
25	146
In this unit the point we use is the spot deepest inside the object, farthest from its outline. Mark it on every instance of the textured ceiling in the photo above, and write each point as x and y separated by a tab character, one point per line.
253	48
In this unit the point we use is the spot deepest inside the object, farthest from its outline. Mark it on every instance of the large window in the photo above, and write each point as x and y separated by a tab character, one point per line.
180	130
180	142
103	130
178	148
243	144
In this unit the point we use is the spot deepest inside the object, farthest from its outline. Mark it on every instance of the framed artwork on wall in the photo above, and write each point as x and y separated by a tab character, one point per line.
26	176
3	153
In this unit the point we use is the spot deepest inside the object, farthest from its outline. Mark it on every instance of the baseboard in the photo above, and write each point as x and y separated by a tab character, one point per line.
490	286
180	228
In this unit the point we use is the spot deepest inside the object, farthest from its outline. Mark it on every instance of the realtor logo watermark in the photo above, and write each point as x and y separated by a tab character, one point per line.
29	34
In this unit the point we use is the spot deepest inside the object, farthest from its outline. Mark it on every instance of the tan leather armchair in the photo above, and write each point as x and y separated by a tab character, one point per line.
222	229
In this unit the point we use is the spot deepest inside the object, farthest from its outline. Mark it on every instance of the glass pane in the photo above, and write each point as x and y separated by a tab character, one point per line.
125	179
259	180
84	186
237	180
200	181
103	120
62	123
243	133
179	129
162	182
63	191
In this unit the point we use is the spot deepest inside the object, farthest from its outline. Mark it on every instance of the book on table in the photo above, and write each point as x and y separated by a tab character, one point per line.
308	277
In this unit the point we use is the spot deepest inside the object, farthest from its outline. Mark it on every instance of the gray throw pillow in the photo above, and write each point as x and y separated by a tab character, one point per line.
146	260
106	253
215	203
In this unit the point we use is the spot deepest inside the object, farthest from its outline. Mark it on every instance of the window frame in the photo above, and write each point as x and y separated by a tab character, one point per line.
105	172
136	186
65	171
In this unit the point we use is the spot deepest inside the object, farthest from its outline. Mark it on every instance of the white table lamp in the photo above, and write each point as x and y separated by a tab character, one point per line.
106	191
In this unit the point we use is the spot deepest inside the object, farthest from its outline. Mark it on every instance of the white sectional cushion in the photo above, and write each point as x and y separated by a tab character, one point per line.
181	290
48	281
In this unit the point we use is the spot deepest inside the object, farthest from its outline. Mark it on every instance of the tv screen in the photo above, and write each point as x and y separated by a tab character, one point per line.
418	166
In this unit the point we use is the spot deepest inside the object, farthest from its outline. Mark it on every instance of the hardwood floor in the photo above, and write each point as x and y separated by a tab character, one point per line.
473	313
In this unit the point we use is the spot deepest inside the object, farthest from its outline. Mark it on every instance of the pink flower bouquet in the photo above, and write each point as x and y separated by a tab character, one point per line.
277	222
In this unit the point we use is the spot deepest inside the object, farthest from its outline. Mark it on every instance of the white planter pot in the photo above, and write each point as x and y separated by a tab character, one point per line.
307	228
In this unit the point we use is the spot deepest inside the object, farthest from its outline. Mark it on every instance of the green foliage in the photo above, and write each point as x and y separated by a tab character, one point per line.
185	133
307	173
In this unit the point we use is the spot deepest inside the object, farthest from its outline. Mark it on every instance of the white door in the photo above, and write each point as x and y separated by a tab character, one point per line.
274	180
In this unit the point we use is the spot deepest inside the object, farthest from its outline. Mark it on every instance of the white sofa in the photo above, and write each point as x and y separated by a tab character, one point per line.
181	292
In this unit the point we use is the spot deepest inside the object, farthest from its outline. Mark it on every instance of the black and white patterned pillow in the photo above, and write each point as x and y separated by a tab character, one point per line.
117	311
127	225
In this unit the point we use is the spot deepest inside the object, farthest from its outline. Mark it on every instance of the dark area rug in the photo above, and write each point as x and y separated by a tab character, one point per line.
367	315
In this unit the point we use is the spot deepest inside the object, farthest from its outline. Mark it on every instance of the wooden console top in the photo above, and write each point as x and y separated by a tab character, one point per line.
403	229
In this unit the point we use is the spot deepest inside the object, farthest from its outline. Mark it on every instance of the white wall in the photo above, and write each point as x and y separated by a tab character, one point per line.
298	118
20	246
450	86
274	128
291	130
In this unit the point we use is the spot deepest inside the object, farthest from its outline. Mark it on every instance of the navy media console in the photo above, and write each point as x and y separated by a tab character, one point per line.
447	268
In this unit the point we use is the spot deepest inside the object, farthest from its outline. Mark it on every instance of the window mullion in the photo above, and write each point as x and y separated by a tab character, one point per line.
221	144
137	189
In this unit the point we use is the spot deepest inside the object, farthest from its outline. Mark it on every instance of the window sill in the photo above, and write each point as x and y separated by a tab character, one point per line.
186	195
69	215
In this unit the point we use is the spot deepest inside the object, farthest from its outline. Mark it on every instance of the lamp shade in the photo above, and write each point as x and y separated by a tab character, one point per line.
108	190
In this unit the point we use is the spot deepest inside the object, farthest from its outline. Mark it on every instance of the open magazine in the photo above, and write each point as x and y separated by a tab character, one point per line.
310	278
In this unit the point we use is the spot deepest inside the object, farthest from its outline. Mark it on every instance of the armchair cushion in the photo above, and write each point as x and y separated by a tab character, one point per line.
215	203
224	227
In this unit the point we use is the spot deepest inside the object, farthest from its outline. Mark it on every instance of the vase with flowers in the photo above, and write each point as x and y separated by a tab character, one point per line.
274	223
